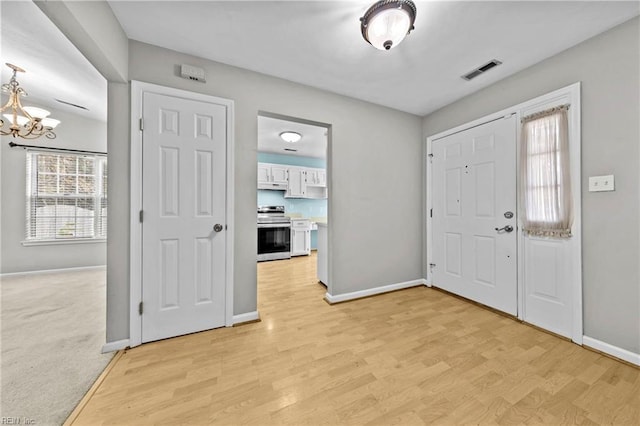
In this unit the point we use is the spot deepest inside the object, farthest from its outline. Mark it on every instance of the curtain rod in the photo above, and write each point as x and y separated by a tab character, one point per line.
13	145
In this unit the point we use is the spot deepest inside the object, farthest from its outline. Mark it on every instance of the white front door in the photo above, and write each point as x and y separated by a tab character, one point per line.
474	192
183	257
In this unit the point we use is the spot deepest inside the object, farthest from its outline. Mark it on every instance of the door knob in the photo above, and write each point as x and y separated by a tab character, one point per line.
217	227
507	228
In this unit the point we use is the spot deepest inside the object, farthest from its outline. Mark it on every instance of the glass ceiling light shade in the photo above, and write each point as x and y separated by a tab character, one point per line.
290	136
24	122
387	23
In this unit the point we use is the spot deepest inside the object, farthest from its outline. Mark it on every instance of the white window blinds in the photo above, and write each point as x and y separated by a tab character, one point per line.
545	180
66	196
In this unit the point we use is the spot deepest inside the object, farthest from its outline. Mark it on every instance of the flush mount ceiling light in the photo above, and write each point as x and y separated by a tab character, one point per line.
387	23
25	122
290	136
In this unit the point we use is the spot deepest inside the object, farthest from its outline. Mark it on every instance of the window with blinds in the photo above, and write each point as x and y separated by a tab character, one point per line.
66	196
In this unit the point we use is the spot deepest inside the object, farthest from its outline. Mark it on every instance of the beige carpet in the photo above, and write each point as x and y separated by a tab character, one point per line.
53	328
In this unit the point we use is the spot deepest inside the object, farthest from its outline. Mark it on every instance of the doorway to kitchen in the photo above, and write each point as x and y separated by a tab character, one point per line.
292	204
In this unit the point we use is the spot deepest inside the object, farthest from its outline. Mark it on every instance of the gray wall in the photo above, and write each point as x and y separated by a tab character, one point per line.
74	132
608	67
374	164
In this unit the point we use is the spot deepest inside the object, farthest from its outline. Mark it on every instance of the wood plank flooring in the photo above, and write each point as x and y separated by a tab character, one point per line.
417	356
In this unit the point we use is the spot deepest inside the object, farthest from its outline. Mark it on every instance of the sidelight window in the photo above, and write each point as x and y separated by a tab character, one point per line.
546	186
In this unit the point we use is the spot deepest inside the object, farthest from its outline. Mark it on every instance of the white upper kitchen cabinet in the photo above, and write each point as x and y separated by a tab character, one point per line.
297	185
316	177
279	174
272	176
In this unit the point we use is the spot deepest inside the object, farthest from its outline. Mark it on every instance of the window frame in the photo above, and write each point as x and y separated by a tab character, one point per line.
98	195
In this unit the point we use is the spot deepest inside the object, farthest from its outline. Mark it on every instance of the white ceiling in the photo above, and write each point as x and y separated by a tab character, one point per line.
55	69
312	144
318	43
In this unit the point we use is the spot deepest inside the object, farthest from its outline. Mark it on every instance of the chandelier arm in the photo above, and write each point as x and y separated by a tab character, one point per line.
19	105
8	104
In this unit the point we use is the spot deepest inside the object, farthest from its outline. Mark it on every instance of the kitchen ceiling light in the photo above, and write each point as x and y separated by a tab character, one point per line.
25	122
290	136
387	23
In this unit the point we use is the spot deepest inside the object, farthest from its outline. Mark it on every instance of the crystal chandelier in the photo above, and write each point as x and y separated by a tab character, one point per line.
25	122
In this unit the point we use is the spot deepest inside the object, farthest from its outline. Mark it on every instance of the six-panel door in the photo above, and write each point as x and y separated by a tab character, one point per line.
184	157
474	192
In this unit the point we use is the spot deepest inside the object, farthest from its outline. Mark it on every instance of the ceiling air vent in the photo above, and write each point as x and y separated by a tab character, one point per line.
484	68
73	105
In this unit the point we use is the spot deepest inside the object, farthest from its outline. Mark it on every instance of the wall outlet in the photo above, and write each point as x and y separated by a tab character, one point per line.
601	183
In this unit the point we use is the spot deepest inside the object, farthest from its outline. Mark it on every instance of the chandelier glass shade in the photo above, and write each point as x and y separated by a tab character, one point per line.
25	122
386	23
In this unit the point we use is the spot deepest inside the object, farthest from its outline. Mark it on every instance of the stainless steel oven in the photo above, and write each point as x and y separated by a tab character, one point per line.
274	233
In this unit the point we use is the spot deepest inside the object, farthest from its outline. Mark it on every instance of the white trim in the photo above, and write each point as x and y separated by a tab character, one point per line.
29	243
429	206
115	346
615	351
53	271
572	93
373	291
246	317
135	274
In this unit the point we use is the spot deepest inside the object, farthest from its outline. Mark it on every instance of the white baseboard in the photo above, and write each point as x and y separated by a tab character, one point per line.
246	317
115	346
615	351
373	291
52	271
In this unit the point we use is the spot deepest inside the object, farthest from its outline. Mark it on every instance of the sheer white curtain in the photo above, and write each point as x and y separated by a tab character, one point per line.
545	174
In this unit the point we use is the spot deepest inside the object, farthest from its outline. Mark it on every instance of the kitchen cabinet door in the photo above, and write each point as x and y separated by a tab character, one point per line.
300	242
316	177
297	185
279	174
264	172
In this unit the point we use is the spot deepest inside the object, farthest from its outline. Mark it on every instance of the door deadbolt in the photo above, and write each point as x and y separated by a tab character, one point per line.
217	227
508	215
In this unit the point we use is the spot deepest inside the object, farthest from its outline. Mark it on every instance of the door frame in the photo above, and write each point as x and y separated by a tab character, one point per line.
138	88
569	94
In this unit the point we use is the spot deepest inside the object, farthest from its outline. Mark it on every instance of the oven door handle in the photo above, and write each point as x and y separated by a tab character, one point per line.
274	225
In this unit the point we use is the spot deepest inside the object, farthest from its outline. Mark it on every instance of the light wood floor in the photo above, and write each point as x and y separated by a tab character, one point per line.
417	356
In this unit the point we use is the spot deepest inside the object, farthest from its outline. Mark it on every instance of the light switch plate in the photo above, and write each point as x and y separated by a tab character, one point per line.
601	183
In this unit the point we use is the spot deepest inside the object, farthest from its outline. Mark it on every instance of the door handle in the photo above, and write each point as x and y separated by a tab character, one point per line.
507	228
217	227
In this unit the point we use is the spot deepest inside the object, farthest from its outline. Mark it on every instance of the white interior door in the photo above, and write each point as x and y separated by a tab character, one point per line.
183	257
474	192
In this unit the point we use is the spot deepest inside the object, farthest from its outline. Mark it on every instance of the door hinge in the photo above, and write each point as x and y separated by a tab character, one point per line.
141	215
140	310
432	265
141	124
430	155
430	212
